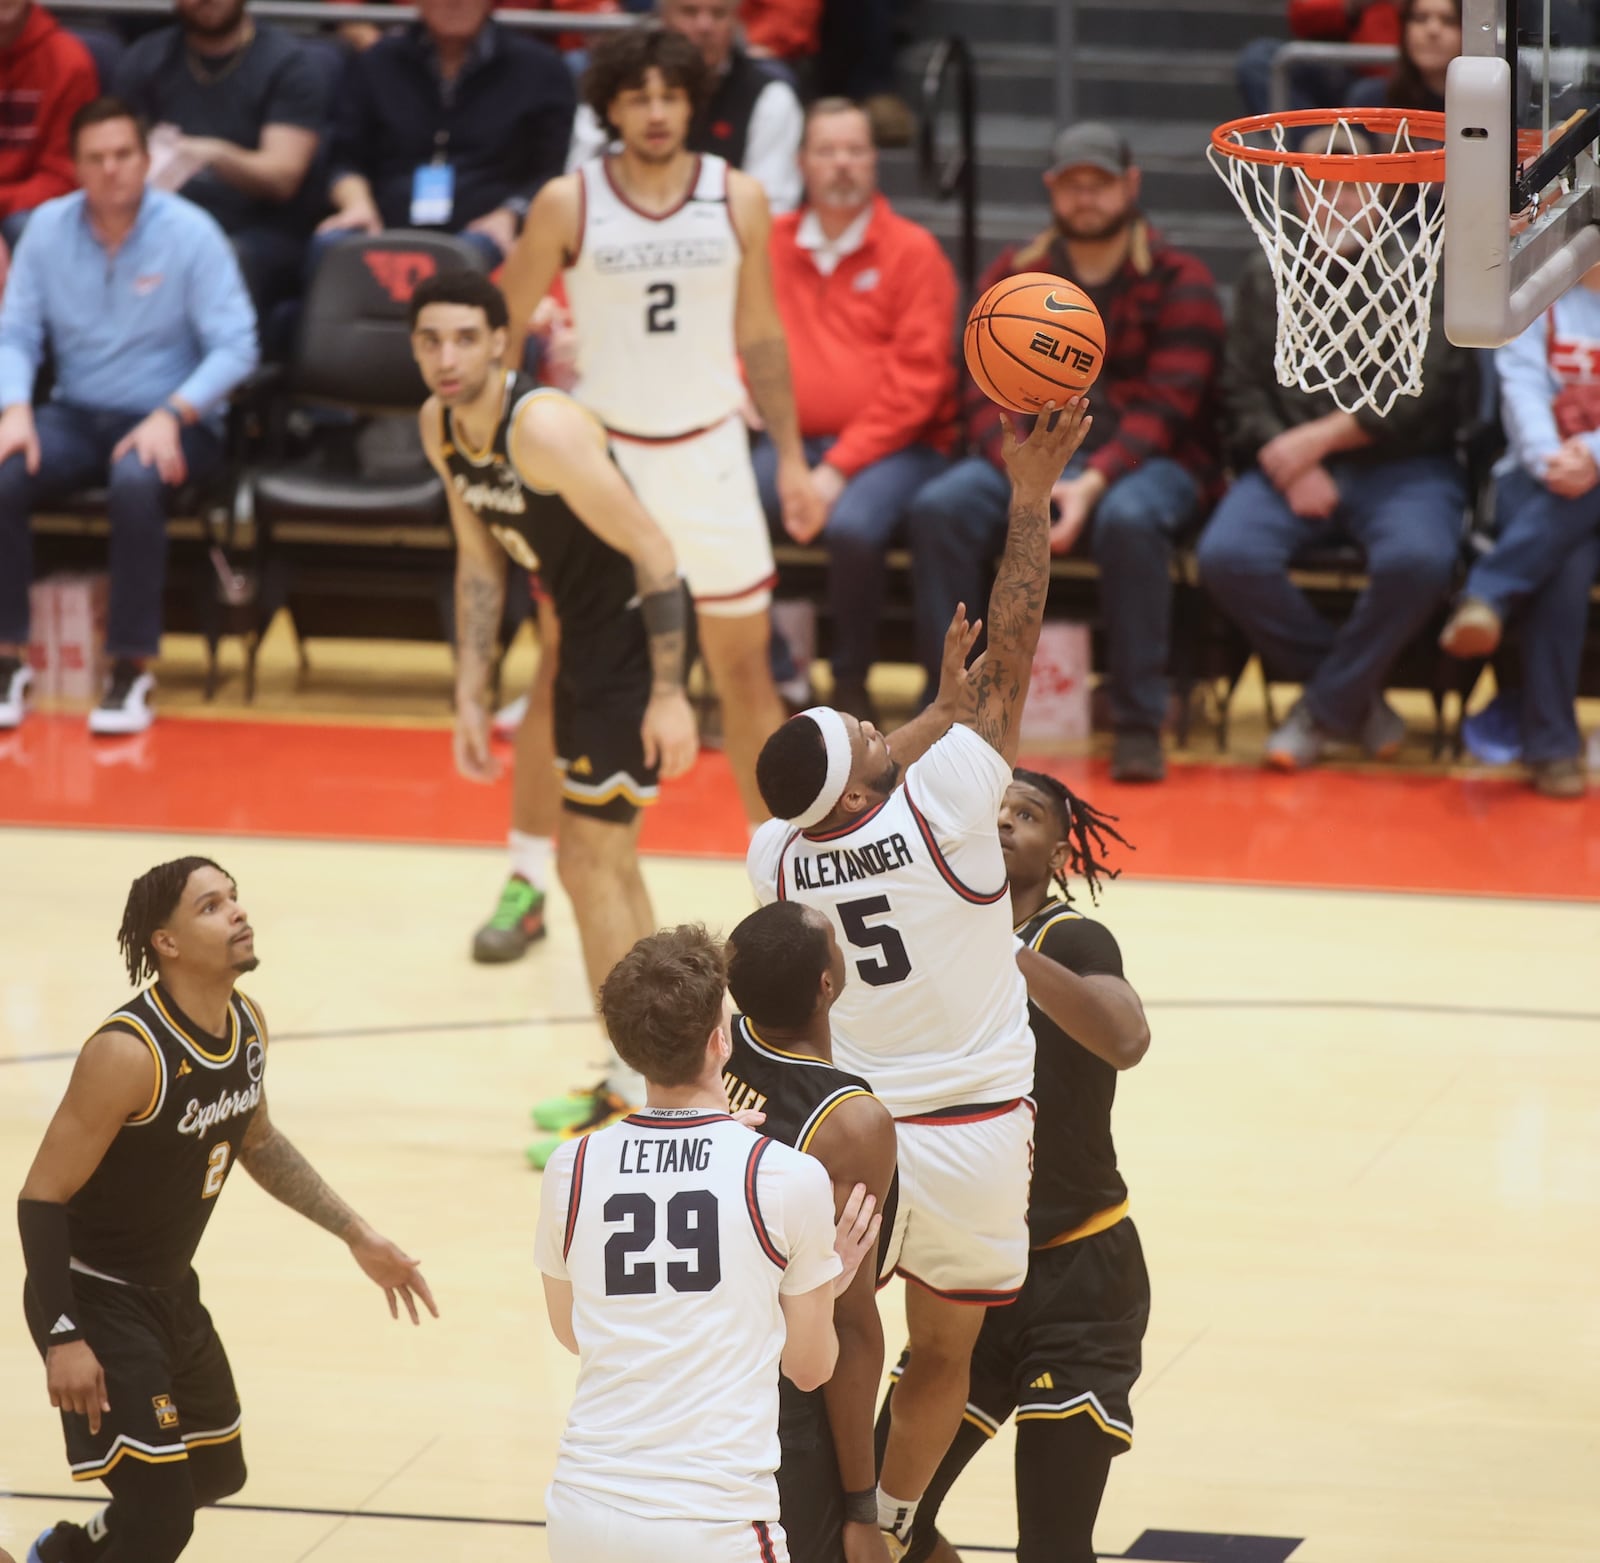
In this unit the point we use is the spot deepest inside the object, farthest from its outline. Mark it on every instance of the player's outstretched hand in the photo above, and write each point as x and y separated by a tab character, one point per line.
668	734
474	758
855	1236
1036	461
77	1382
955	677
863	1543
395	1271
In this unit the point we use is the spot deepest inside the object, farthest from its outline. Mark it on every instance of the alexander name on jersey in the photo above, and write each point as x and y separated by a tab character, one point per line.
821	866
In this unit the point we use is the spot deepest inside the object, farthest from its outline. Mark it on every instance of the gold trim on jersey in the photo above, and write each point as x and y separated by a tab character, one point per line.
766	1046
1086	1405
189	1042
594	796
455	436
255	1015
123	1447
844	1094
1100	1221
212	1437
1064	915
159	1095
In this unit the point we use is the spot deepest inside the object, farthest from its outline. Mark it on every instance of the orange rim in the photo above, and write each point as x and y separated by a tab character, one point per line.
1384	168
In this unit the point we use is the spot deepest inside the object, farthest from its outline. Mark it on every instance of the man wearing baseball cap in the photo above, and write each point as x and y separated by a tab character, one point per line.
1148	471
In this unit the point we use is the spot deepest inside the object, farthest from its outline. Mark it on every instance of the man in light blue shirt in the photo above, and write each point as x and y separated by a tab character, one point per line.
139	299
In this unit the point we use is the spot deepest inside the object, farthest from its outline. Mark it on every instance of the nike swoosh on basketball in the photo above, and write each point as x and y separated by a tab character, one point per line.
1056	307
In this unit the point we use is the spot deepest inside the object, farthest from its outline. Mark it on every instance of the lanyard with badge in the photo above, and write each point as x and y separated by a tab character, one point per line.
433	185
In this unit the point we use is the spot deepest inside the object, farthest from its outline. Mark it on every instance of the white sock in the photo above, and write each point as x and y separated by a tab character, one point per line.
625	1082
895	1515
530	857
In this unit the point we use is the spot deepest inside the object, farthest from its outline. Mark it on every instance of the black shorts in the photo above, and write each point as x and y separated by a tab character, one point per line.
167	1377
602	689
1070	1344
810	1499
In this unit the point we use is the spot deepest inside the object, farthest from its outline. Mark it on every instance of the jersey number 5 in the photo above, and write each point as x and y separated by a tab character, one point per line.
658	314
894	964
691	1228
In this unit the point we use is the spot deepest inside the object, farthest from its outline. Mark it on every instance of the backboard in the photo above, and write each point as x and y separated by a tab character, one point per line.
1522	195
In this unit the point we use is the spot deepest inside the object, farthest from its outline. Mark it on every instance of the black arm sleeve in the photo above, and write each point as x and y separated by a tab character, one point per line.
1084	947
47	1255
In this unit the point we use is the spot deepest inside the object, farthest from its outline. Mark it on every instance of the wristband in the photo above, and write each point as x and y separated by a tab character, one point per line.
861	1508
667	613
47	1257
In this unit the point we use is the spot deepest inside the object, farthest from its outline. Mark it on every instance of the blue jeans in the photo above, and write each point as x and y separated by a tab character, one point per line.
1545	559
75	445
958	526
857	537
1407	517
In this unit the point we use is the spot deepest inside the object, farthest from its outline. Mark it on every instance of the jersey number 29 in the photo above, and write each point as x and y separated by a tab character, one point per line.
691	1228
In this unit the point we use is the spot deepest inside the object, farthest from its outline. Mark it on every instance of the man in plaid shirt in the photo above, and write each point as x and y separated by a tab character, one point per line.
1149	468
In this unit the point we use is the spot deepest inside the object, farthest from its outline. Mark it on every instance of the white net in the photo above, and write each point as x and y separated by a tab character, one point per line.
1354	261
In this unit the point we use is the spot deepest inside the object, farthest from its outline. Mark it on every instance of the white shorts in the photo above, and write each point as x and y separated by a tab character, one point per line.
701	490
961	1227
581	1529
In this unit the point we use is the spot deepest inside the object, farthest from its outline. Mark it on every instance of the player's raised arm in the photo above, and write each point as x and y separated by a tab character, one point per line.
114	1080
480	601
559	446
1016	604
547	243
758	331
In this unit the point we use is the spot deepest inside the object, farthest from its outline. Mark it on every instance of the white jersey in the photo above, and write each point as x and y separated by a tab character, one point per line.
935	1012
652	300
678	1230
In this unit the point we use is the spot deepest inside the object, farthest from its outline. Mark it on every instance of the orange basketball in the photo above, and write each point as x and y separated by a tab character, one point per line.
1032	339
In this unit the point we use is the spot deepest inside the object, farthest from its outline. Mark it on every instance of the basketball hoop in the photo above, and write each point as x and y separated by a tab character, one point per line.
1353	239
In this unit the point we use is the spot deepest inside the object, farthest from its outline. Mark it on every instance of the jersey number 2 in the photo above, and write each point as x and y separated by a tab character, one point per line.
691	1228
893	964
658	314
216	1169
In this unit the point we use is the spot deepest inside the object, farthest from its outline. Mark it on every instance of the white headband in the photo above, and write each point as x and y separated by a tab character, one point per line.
836	740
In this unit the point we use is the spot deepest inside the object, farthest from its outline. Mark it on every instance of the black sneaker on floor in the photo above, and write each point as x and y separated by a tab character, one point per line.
1136	756
62	1543
126	706
15	677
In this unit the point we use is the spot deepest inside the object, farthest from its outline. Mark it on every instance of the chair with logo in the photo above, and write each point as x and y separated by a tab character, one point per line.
355	531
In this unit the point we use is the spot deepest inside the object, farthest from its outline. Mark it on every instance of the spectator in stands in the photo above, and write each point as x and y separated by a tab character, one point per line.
237	108
786	30
1308	472
1430	38
453	123
868	302
1319	21
46	76
1547	552
142	373
1149	465
752	117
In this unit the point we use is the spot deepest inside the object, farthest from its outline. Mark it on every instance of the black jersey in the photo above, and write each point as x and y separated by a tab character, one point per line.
1074	1161
591	585
143	1211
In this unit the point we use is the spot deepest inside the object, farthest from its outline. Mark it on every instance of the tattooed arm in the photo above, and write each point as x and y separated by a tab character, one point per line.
480	600
758	330
1016	604
560	447
287	1176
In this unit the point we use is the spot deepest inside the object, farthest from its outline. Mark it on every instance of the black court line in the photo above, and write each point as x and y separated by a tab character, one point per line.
99	1499
1367	1006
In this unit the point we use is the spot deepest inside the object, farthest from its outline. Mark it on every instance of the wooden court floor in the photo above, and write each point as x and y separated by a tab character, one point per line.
1364	1151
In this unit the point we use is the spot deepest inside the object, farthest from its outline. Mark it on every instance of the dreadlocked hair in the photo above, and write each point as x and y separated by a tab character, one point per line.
152	899
1088	834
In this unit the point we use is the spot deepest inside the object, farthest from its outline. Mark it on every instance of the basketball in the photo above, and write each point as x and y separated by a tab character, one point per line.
1034	338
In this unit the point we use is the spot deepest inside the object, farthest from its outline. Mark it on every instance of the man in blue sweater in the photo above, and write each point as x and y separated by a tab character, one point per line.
138	297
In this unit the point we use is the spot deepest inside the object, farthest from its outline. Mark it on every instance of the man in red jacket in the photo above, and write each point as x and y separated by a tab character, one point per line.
46	76
1149	465
868	303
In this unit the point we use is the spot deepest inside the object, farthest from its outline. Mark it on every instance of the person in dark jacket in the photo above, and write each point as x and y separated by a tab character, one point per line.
1308	471
453	123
